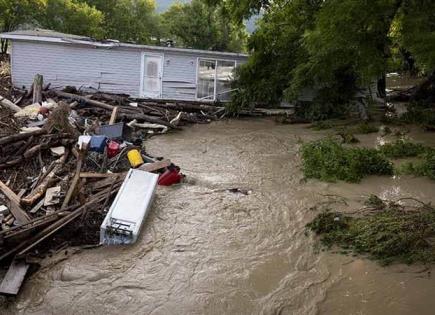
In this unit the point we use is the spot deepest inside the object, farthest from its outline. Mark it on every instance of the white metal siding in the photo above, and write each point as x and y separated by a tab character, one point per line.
116	70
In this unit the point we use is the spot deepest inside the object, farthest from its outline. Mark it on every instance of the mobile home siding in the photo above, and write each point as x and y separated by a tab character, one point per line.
116	69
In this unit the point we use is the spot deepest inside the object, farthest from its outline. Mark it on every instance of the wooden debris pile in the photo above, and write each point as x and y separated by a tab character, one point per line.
55	193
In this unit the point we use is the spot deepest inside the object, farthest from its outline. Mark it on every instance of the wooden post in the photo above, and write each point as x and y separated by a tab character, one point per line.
38	82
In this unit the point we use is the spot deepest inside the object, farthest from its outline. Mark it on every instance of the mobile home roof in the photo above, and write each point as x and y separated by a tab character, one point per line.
42	35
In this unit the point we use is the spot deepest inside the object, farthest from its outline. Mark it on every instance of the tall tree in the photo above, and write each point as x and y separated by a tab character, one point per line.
129	20
70	16
17	12
197	25
342	45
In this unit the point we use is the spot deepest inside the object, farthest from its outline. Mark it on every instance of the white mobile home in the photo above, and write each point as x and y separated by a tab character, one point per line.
137	70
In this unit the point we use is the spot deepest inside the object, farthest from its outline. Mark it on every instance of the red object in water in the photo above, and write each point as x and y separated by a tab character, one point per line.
170	177
113	148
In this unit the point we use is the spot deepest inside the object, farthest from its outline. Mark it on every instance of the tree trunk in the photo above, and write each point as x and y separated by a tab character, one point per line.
4	44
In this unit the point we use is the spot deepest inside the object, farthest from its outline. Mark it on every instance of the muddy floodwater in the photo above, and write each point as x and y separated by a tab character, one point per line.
205	250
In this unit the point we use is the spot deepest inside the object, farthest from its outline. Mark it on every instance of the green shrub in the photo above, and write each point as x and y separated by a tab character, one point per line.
330	161
424	167
365	128
390	234
402	149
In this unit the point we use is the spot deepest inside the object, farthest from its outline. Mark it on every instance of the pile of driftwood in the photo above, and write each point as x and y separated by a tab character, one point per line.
54	193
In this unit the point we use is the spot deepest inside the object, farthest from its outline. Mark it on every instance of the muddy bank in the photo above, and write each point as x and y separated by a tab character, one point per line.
208	251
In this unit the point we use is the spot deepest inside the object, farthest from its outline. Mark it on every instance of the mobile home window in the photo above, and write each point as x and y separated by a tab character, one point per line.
214	79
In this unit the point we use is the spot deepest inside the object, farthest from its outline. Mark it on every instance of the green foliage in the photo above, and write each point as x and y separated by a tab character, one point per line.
417	33
275	51
420	114
201	26
365	128
14	13
73	17
128	20
194	25
402	149
424	167
330	161
333	47
390	233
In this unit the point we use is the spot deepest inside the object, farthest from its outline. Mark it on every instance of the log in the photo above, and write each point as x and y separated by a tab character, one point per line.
97	175
38	82
179	106
21	136
39	191
148	118
79	98
111	108
53	228
4	102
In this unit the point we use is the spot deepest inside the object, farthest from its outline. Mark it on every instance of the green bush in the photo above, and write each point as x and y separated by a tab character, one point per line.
390	234
330	161
402	149
425	167
365	128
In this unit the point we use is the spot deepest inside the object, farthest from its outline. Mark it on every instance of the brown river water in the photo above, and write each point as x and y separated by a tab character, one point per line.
204	250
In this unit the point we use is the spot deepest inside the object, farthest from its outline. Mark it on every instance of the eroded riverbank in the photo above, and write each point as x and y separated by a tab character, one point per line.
208	251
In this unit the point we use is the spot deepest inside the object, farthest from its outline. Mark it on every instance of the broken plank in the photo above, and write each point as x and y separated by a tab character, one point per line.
76	178
15	208
98	175
14	278
113	116
152	167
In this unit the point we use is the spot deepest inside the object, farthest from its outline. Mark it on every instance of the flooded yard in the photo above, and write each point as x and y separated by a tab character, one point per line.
205	250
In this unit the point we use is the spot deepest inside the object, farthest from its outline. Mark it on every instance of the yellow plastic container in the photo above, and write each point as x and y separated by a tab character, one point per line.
135	158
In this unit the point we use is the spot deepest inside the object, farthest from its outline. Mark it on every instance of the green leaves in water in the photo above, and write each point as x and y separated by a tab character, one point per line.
387	232
330	161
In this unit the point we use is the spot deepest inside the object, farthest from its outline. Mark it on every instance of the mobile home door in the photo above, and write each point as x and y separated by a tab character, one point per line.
152	76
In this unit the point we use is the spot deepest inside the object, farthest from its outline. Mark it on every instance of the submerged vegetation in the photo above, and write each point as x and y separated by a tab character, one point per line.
403	149
330	161
423	167
385	231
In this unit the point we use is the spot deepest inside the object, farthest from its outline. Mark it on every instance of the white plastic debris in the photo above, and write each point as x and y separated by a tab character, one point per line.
52	196
83	141
4	210
58	151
